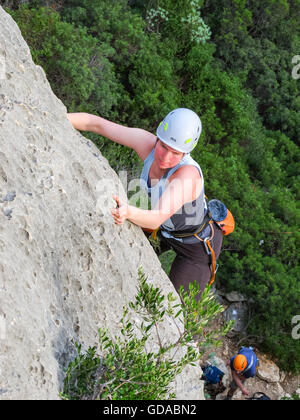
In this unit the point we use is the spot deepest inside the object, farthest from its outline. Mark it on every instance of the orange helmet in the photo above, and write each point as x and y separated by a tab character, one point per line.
240	363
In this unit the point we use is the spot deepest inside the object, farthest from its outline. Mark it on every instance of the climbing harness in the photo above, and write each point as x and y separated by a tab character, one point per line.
217	213
154	233
206	243
210	252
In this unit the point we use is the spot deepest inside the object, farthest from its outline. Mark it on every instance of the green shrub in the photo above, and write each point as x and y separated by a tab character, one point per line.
76	66
123	369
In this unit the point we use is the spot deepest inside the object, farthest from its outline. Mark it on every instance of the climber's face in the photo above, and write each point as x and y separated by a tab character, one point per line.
165	156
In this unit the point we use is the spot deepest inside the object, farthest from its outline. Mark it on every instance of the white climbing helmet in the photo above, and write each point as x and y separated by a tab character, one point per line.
180	130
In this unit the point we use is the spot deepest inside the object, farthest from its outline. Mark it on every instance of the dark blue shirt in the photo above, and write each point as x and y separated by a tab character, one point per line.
252	362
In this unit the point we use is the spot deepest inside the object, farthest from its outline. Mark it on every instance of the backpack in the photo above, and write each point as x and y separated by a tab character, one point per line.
212	375
220	214
259	396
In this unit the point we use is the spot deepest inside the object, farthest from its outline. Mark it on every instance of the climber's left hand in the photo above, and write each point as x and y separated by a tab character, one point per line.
121	212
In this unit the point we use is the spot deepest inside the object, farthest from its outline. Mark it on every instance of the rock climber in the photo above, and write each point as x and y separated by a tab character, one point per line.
174	183
243	366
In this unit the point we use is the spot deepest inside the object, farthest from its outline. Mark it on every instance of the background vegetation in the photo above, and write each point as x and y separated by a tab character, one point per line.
231	62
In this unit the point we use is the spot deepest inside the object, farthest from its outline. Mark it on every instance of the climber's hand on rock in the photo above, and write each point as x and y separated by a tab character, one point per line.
245	391
120	213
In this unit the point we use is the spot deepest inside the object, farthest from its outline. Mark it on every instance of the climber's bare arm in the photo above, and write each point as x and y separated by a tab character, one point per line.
239	382
185	186
140	140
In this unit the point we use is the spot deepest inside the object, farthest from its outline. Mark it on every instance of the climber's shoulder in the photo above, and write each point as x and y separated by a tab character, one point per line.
142	142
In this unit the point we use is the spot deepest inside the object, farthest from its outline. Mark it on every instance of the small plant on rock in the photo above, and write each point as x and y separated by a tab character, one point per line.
125	368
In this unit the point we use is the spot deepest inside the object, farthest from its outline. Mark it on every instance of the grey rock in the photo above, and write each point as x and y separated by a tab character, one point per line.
235	297
65	268
8	213
267	370
237	312
8	197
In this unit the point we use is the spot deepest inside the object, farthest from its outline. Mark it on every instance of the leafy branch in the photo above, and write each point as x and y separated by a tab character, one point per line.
125	369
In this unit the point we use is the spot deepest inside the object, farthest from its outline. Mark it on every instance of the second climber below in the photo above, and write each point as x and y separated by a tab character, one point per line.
174	183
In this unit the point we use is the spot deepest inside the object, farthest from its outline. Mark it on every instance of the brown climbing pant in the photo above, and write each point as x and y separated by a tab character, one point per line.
191	262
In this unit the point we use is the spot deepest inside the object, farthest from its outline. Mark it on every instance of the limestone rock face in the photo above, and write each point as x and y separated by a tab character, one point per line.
268	370
65	268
